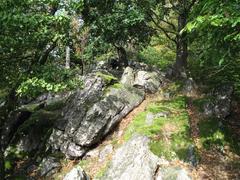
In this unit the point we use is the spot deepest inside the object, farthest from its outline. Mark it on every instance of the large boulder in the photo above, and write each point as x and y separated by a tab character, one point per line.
149	81
133	161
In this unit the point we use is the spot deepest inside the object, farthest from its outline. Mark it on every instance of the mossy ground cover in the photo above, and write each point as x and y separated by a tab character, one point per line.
217	149
170	135
214	133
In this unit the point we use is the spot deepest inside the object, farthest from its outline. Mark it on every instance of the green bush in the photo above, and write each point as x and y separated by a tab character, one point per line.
157	55
213	74
50	78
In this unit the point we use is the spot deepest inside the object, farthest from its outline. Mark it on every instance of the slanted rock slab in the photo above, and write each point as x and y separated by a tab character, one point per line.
172	173
133	161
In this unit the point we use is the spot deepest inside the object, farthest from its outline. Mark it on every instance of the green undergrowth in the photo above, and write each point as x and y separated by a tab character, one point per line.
214	132
211	135
215	135
170	135
3	94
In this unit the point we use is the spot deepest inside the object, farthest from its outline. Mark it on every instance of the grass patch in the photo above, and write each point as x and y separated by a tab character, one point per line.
170	136
102	171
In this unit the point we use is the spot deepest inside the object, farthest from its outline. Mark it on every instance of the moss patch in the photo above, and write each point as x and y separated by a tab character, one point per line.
108	79
170	136
117	86
30	107
55	105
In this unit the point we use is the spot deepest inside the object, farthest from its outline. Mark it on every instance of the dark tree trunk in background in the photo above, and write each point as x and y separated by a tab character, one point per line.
122	55
2	165
44	56
181	44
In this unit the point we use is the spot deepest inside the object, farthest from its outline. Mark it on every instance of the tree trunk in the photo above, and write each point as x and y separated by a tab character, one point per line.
182	45
44	56
122	56
2	164
67	65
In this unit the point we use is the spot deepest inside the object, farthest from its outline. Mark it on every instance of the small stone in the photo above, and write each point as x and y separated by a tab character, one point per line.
149	119
162	114
191	158
74	150
92	153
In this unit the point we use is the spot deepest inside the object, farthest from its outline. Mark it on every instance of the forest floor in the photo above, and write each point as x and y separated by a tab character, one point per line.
180	125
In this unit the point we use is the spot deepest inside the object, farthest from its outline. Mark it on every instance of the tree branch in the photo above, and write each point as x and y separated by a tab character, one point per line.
167	22
191	5
162	29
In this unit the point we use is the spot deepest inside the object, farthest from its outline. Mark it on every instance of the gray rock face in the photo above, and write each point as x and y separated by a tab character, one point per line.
133	161
90	114
149	81
221	106
49	166
76	174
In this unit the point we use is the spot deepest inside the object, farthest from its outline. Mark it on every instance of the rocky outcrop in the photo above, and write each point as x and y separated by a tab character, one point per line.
90	114
74	122
133	161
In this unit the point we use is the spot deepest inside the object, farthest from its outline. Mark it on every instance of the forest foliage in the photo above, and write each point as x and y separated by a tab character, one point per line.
34	34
